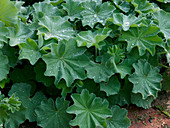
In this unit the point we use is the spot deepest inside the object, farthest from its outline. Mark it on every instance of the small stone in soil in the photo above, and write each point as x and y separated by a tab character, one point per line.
150	120
140	118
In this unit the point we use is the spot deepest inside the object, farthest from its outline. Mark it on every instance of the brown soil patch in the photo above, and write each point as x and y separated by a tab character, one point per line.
153	117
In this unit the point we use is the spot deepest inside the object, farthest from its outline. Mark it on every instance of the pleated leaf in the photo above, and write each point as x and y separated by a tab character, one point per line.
55	27
66	61
94	13
145	38
22	91
146	79
90	111
53	115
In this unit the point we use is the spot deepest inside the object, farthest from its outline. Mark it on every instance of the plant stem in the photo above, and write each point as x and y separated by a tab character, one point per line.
162	52
164	66
95	51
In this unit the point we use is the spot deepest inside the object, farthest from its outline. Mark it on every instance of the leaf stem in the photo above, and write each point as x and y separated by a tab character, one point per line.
164	112
95	51
162	52
164	66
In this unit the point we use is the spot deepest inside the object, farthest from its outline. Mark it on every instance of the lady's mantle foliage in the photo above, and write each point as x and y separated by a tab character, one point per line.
145	38
55	27
23	92
96	13
146	79
4	67
90	110
119	121
8	13
86	47
3	34
66	61
53	115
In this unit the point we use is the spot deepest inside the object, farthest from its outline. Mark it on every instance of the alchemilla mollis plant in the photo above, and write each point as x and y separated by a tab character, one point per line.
66	63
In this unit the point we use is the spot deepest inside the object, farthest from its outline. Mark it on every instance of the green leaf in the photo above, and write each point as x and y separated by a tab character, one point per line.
89	38
4	116
164	24
15	119
91	86
122	98
4	67
30	51
133	56
142	6
54	2
1	44
19	33
116	53
164	1
90	110
94	13
24	12
126	21
122	5
8	13
11	111
168	58
1	96
3	113
22	91
145	38
84	1
55	27
119	118
112	87
3	34
62	85
11	104
117	61
140	102
45	9
39	69
2	83
73	9
124	68
19	6
53	115
146	79
99	72
66	61
166	83
12	54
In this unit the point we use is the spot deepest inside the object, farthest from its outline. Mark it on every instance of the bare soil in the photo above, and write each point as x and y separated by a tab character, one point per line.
153	117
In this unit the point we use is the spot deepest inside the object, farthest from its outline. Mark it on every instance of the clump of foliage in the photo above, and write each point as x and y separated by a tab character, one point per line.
66	63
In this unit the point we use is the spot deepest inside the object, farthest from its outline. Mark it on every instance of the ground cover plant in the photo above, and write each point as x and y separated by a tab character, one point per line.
66	63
